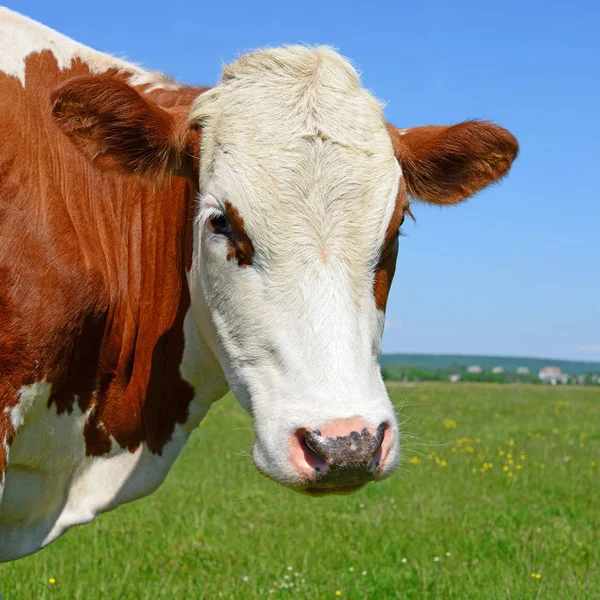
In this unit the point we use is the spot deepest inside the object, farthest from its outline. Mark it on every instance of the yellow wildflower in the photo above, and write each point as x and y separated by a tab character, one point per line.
52	581
338	593
414	460
505	468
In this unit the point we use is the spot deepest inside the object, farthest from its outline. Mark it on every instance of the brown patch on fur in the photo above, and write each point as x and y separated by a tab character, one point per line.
118	128
93	290
386	267
384	274
15	364
446	164
240	245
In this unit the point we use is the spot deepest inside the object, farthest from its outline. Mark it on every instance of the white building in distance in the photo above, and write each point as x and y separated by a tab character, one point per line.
552	375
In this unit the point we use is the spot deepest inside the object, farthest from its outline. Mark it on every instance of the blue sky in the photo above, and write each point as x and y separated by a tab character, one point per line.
513	271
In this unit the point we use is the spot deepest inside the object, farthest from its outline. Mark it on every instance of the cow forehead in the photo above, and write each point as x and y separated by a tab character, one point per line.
301	149
283	93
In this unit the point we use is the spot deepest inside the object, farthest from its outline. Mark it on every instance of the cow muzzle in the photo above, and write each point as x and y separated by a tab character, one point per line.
341	456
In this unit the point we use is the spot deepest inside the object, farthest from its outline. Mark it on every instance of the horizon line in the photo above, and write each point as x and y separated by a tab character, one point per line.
574	360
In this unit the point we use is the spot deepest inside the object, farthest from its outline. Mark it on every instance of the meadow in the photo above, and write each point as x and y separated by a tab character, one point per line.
498	496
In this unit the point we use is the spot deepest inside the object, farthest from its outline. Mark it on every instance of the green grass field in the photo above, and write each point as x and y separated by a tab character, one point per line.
498	496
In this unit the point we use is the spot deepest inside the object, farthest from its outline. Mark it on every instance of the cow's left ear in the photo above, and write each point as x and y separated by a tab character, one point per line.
446	164
117	128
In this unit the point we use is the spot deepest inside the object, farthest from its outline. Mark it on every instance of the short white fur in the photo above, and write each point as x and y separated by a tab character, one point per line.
293	141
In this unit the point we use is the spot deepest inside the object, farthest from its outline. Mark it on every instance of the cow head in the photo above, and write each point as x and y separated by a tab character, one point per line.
302	190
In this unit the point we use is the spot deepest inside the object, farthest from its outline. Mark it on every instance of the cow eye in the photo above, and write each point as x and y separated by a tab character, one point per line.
219	224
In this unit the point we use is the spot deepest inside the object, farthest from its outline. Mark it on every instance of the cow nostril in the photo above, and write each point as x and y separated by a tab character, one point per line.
380	433
312	457
316	443
379	439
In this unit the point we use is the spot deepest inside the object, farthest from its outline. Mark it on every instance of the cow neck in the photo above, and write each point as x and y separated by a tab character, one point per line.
95	302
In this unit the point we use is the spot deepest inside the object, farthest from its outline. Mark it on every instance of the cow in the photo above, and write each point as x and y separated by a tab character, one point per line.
161	244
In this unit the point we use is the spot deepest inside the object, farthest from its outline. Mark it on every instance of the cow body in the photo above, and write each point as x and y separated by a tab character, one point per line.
161	243
93	306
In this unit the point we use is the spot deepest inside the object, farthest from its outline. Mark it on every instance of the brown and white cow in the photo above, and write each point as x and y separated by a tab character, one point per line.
162	243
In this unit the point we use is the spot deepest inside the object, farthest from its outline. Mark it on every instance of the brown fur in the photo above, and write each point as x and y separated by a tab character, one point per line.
446	164
240	245
92	263
386	267
117	128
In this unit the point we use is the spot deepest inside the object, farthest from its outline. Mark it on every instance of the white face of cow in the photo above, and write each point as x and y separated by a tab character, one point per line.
302	188
297	189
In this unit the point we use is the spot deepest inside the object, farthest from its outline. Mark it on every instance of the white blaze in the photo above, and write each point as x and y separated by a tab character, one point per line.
293	141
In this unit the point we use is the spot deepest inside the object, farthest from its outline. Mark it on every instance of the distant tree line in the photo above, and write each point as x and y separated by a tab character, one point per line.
412	373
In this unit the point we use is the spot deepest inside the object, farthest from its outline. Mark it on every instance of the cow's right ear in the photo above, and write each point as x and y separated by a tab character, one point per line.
117	128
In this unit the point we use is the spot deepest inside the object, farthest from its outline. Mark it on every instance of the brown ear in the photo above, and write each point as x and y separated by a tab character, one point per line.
117	128
446	164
